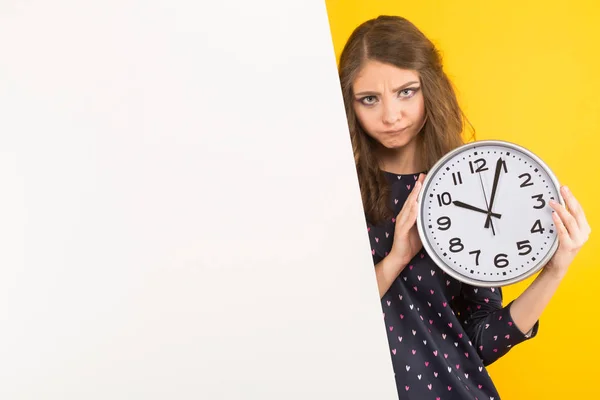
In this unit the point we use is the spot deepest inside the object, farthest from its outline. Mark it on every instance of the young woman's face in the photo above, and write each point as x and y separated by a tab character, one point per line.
389	104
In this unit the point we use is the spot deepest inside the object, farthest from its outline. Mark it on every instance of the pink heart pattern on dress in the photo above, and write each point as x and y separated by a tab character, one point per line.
458	334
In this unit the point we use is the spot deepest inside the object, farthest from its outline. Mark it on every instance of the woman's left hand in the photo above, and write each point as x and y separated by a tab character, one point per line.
573	231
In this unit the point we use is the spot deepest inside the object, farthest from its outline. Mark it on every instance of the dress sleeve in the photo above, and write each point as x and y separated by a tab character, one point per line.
488	324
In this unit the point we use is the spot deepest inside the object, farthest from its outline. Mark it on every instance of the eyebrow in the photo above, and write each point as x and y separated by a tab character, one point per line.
395	90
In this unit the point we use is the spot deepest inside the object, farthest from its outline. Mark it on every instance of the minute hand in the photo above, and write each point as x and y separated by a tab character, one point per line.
470	207
494	187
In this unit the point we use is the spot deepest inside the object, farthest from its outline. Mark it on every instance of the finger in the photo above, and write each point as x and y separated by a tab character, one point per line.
412	197
566	219
409	199
414	210
410	207
563	234
409	218
420	182
417	189
576	210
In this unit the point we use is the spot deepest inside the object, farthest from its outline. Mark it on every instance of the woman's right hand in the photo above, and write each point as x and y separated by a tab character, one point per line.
407	242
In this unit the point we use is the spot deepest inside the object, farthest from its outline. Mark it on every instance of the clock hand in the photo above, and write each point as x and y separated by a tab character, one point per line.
485	198
494	187
470	207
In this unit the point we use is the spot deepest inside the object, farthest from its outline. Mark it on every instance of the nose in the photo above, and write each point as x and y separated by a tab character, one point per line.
391	112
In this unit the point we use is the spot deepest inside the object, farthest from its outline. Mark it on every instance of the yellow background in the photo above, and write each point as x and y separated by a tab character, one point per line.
527	72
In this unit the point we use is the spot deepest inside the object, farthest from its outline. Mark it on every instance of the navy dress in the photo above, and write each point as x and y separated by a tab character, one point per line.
441	332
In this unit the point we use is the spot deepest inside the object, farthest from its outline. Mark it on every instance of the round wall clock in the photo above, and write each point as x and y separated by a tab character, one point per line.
484	216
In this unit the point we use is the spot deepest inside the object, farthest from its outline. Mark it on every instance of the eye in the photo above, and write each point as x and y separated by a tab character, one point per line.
408	92
368	100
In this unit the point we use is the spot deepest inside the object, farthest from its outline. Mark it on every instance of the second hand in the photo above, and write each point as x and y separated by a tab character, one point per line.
486	202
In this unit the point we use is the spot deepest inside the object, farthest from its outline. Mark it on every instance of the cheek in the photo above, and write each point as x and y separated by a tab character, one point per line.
366	118
417	111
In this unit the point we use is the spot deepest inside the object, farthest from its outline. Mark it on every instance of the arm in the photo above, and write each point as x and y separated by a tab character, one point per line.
573	231
494	338
406	242
386	272
528	307
489	325
495	329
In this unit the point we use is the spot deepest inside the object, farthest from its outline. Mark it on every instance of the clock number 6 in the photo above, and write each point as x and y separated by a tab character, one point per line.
501	261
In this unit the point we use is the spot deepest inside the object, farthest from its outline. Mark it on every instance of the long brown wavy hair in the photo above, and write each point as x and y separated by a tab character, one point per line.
396	41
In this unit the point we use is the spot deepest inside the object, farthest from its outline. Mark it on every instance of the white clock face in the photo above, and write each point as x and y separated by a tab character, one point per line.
509	243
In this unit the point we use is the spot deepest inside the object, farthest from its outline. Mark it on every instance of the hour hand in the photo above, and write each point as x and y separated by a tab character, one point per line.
473	208
499	163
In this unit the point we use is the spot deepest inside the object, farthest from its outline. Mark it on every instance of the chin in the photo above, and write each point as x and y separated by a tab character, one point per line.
397	143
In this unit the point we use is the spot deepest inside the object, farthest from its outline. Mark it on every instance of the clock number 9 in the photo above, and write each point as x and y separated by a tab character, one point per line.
501	261
444	223
455	245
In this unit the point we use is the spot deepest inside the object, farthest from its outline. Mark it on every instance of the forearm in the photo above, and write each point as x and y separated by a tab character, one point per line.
527	309
386	271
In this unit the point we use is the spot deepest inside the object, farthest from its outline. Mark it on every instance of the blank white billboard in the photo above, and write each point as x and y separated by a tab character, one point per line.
180	215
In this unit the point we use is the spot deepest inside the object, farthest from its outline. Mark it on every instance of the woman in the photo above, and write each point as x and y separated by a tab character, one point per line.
403	116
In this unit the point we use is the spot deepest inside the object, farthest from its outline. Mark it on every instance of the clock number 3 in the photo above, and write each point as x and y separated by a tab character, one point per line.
540	199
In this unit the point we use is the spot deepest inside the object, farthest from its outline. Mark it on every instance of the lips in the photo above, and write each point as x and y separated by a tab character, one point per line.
396	131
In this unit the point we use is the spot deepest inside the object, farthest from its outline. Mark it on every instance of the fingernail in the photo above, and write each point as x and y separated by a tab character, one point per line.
566	189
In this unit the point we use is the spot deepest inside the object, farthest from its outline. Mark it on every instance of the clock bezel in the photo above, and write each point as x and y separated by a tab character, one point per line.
421	225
